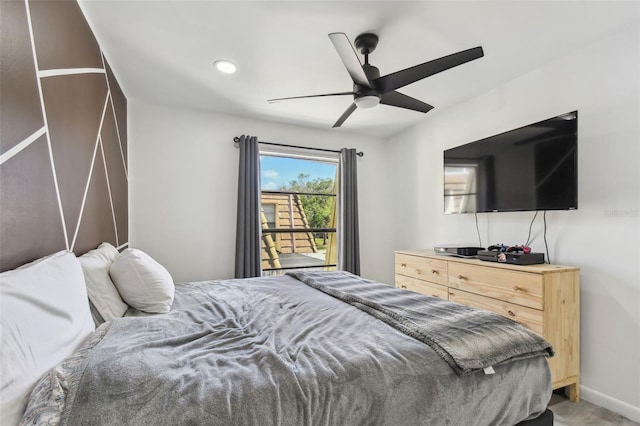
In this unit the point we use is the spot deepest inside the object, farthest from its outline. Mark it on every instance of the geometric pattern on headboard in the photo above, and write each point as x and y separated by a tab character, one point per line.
63	135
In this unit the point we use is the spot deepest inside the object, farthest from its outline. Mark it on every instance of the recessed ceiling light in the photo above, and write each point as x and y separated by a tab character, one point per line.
225	67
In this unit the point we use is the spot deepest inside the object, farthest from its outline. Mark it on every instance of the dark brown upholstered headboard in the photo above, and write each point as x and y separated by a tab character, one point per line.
63	135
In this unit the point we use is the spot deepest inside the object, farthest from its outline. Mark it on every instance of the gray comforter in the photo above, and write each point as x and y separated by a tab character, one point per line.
274	351
467	339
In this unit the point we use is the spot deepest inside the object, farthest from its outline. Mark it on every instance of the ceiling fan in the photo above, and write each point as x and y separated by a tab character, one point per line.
369	89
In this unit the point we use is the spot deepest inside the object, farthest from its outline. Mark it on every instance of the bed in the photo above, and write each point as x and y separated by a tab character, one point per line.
302	349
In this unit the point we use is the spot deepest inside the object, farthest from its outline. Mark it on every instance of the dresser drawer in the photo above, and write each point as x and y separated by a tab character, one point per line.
531	318
422	268
518	287
422	287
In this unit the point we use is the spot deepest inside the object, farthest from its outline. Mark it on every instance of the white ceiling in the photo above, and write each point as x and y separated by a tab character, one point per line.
163	51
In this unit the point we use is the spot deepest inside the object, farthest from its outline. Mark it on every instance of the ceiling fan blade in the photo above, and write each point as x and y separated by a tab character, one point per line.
310	96
397	99
396	80
345	115
349	58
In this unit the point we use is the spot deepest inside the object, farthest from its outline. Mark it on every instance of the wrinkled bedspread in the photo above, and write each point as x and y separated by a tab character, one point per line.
468	339
274	351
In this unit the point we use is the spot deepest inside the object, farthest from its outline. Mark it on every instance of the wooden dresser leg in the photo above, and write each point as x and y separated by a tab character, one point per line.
574	392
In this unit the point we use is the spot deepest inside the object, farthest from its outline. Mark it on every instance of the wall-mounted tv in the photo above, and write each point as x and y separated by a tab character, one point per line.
534	167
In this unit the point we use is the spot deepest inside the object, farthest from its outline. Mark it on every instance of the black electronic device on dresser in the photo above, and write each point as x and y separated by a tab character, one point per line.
457	250
516	255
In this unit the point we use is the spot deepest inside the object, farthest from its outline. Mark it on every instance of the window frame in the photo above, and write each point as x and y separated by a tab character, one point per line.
278	231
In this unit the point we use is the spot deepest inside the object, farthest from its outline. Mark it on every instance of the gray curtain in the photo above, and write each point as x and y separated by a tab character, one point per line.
349	235
248	263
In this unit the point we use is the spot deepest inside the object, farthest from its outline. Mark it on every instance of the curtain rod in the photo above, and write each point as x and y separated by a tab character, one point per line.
237	139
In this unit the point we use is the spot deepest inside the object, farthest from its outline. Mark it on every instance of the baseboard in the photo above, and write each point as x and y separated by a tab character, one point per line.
611	404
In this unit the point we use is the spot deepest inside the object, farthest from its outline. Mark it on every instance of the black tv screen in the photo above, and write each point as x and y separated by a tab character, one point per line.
534	167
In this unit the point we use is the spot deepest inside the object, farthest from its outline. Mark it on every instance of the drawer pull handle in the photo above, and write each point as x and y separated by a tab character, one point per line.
511	313
516	288
462	277
434	271
403	265
403	286
451	293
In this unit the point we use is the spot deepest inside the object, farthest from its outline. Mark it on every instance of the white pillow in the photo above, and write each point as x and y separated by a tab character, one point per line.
102	293
44	318
142	282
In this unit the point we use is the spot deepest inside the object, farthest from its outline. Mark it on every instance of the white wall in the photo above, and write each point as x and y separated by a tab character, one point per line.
183	174
601	237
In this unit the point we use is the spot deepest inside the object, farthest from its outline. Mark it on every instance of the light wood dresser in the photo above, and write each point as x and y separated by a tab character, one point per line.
544	298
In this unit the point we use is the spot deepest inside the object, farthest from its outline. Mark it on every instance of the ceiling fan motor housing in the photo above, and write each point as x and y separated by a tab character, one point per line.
365	97
371	72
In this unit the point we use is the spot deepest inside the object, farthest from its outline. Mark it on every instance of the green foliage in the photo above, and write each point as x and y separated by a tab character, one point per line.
317	208
321	243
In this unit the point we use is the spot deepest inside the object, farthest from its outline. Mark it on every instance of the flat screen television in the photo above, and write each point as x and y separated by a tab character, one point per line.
534	167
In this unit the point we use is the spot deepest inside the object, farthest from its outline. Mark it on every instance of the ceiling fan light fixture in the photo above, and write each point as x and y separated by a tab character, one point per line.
226	67
368	101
